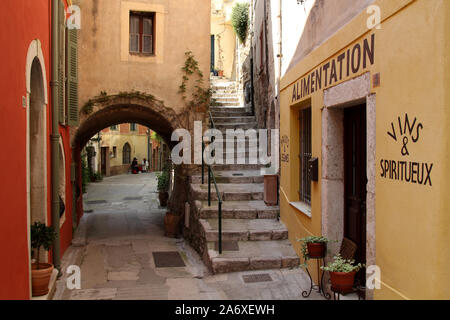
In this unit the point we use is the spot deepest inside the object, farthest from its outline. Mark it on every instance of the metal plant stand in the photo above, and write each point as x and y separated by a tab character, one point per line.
319	286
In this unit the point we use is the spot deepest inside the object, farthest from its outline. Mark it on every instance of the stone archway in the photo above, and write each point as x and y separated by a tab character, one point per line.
143	109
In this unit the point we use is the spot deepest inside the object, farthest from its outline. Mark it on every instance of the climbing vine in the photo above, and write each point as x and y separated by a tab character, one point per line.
240	20
200	96
88	107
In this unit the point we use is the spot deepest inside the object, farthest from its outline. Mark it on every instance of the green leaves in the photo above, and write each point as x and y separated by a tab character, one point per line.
42	236
310	239
339	264
240	20
163	181
200	96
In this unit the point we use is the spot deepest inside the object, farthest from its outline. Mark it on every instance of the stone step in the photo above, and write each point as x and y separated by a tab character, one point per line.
239	125
253	255
247	176
230	110
234	119
230	104
230	98
233	113
236	167
229	191
244	229
252	209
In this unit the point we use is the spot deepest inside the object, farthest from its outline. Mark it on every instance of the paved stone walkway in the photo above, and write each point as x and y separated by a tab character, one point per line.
114	248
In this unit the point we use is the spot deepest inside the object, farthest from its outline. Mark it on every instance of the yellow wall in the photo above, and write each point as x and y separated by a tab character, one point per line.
412	220
225	38
138	144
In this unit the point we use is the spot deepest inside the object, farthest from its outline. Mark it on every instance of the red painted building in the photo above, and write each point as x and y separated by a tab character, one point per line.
25	134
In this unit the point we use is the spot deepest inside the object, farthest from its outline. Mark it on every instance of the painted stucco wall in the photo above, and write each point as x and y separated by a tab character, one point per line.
14	270
225	37
104	43
411	219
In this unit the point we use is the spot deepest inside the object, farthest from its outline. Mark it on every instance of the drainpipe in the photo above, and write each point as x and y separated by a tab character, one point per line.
55	134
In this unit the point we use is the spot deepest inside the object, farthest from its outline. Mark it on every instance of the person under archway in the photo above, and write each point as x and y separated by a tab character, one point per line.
134	166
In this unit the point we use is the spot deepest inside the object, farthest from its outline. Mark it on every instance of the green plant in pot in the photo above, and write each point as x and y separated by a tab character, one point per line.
41	237
342	273
163	187
313	247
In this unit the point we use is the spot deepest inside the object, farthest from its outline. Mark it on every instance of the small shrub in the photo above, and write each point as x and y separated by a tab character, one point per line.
240	20
340	264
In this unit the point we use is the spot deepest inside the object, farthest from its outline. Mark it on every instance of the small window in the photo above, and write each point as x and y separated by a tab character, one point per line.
305	155
114	152
114	128
142	30
133	127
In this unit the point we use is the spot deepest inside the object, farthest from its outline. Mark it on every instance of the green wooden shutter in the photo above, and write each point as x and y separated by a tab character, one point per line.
72	77
61	65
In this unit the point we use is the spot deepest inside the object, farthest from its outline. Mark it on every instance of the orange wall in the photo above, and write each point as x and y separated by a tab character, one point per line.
29	20
14	274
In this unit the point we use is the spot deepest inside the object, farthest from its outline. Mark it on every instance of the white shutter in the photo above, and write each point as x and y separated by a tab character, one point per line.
147	39
134	34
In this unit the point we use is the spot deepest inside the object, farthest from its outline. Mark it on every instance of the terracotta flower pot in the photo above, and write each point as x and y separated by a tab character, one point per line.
342	281
220	73
40	278
316	250
171	224
163	198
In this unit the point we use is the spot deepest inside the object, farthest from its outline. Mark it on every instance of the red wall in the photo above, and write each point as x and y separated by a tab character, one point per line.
21	22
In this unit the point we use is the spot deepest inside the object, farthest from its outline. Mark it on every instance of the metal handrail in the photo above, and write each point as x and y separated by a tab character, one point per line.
211	176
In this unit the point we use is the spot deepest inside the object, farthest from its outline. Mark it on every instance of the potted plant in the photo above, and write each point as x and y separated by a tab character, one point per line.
163	187
342	273
313	247
41	237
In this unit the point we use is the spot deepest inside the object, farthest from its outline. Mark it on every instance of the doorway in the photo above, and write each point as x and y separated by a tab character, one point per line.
213	54
355	181
105	161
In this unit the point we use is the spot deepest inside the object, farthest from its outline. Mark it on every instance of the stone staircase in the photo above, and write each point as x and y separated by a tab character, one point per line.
253	237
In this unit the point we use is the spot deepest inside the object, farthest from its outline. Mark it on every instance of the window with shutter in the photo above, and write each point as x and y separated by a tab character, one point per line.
134	34
72	77
61	65
142	40
147	38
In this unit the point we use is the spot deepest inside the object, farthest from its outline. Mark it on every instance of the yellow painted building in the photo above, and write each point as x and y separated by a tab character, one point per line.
371	104
223	36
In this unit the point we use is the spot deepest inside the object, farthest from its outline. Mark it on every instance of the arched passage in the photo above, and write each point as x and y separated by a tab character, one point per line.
144	111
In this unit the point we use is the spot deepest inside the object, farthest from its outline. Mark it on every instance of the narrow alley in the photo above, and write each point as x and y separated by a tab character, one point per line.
123	254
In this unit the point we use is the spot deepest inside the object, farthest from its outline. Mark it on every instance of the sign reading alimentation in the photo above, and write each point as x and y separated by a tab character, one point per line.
406	132
348	63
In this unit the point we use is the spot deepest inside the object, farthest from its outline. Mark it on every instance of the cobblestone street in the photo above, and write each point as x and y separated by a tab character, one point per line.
114	245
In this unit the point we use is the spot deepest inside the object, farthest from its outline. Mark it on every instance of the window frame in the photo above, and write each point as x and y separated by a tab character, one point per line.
142	16
305	154
128	152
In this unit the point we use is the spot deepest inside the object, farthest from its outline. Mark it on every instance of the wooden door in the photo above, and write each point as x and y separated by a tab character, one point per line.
103	161
355	181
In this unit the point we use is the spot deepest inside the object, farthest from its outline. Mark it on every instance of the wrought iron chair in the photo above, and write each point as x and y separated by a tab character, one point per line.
348	251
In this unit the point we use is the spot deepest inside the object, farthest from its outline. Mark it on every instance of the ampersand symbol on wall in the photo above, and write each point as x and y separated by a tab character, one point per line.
404	148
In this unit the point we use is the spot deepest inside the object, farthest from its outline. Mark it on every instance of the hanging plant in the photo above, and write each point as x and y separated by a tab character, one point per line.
240	20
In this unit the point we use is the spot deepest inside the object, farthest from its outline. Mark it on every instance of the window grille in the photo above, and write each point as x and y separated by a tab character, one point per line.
305	155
